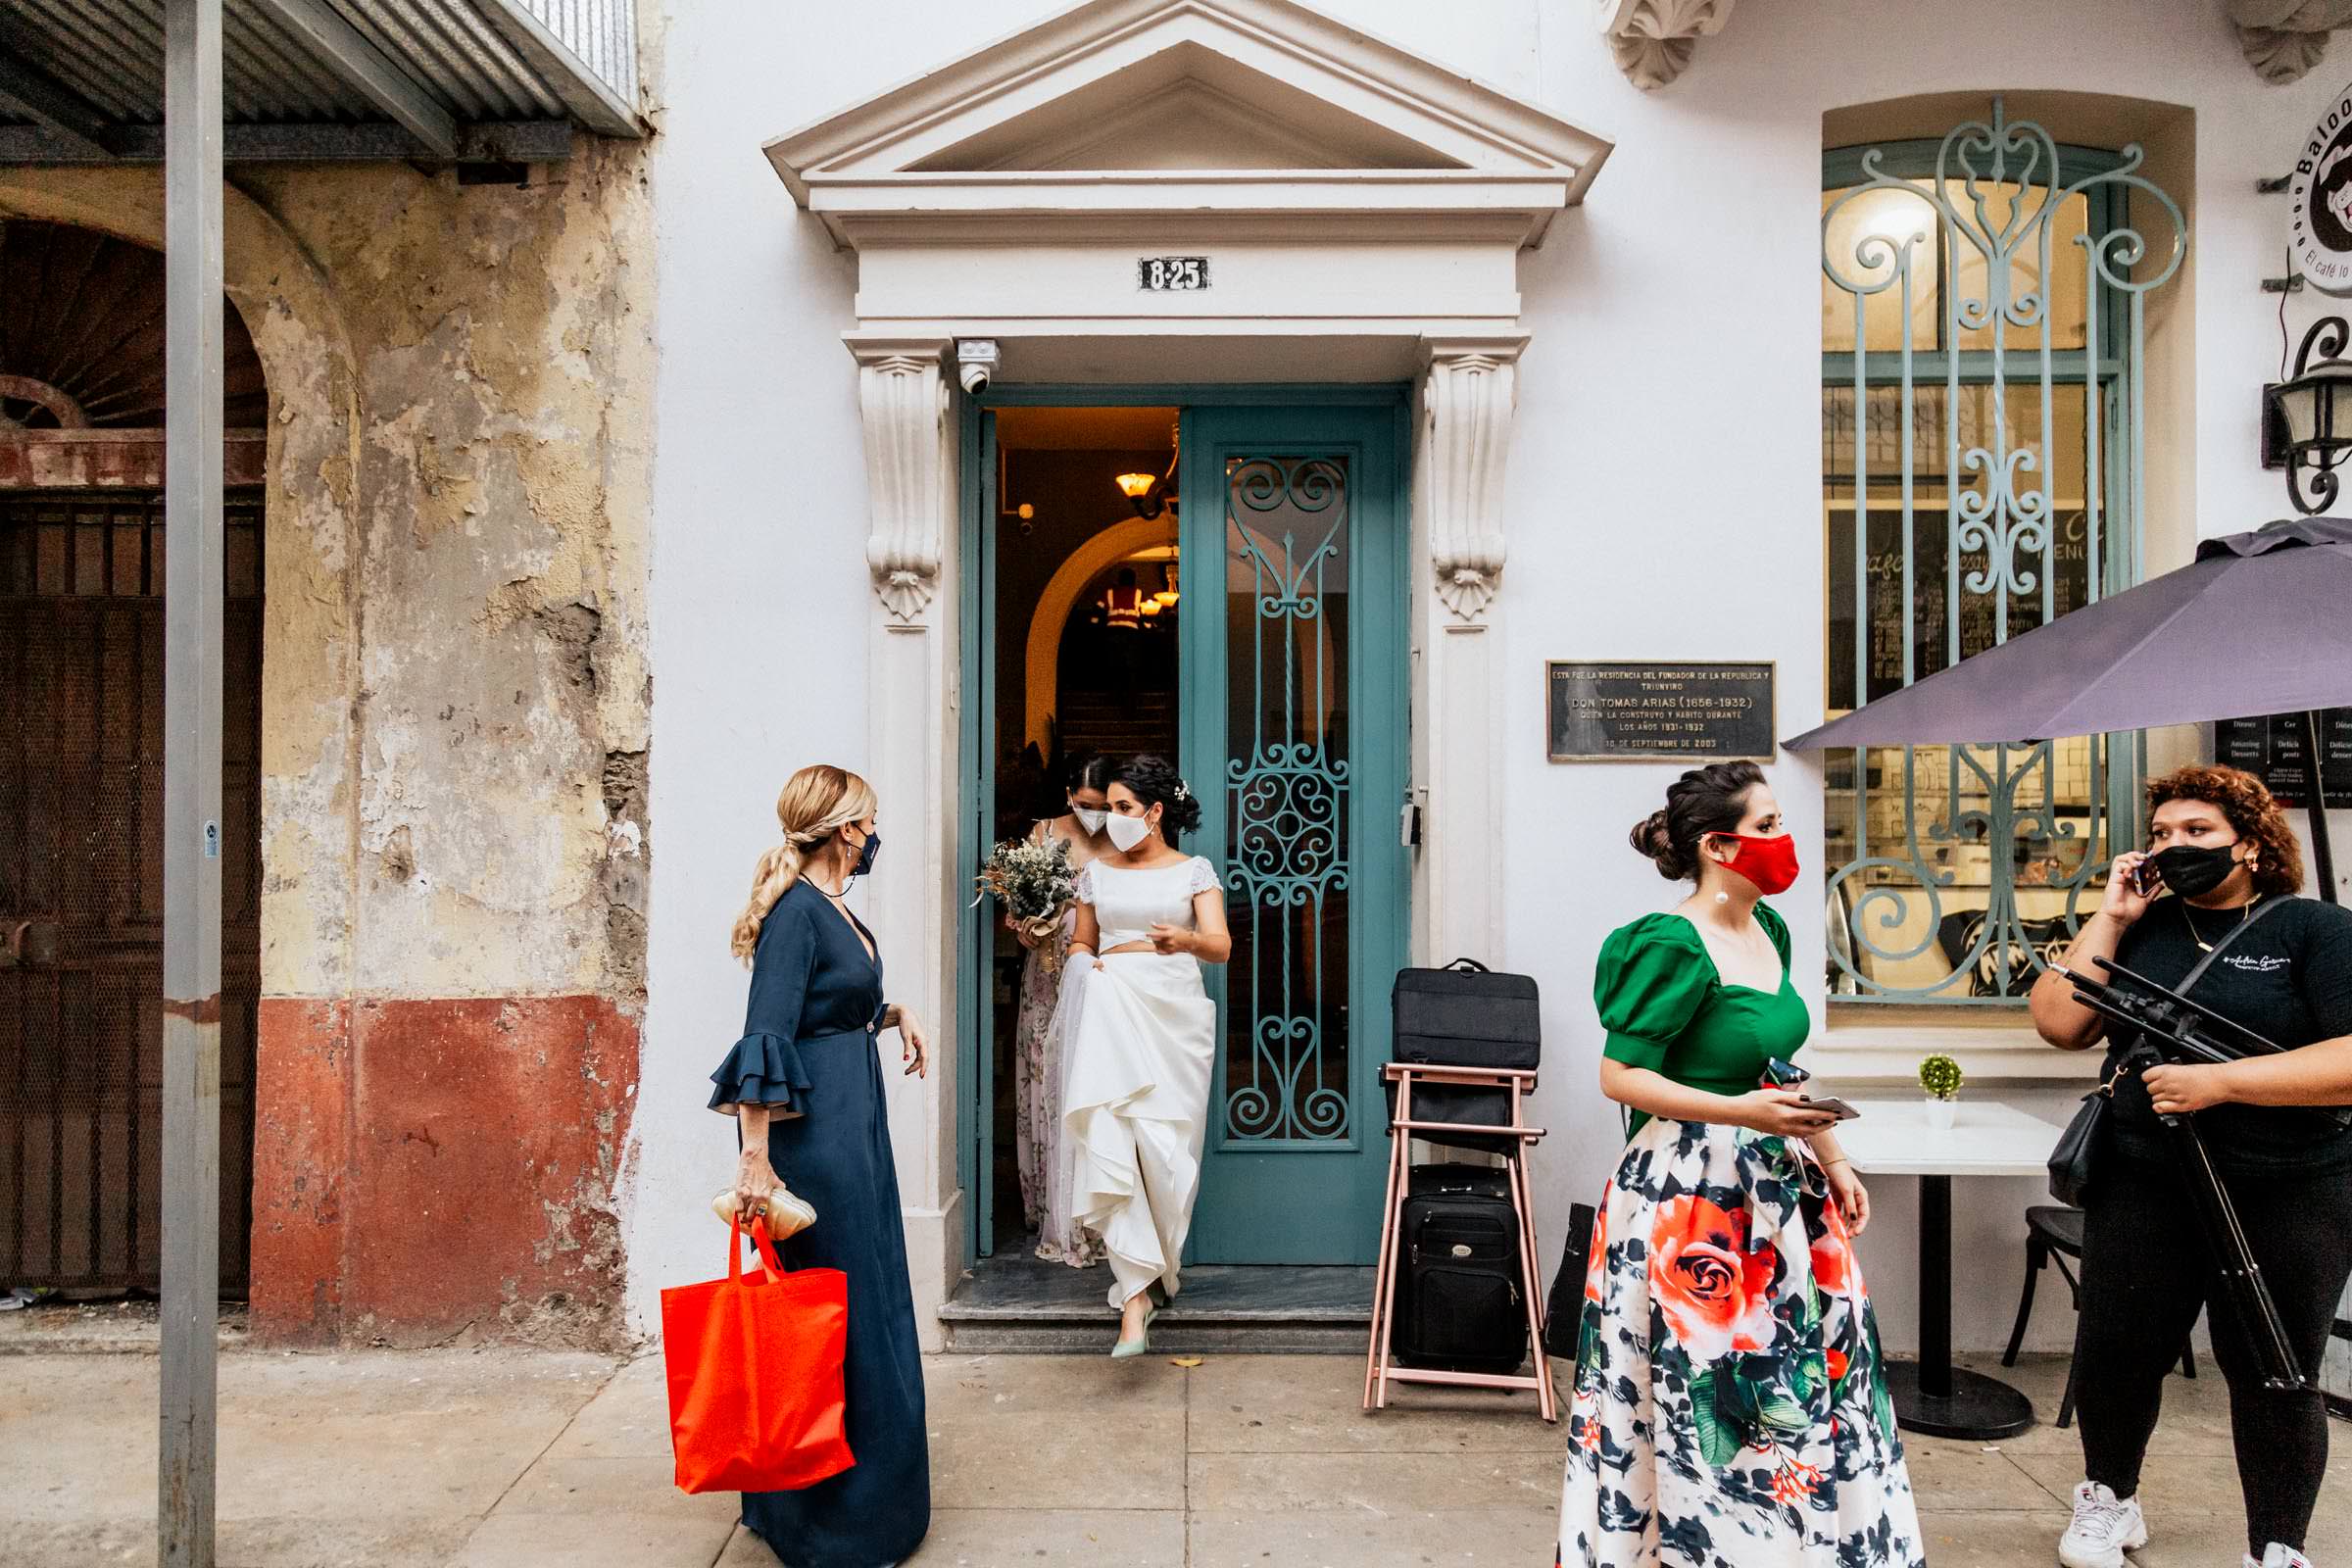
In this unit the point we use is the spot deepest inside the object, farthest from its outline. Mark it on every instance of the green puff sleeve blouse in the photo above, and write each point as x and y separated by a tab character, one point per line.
1666	1008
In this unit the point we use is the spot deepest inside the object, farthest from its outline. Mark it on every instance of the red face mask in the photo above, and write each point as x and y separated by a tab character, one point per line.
1769	863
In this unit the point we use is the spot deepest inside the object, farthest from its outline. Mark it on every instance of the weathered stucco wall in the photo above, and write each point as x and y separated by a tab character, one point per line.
455	731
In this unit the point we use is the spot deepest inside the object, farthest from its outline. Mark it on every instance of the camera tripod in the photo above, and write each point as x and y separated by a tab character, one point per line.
2171	1028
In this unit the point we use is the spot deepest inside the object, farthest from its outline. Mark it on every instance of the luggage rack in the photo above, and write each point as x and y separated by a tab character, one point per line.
1381	1368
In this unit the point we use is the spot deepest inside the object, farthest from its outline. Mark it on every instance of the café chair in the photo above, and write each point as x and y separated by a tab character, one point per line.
2054	1234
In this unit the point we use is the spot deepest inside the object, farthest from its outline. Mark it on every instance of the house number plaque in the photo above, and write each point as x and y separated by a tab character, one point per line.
1167	275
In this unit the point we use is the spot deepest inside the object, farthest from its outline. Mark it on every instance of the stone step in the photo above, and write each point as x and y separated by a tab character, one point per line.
1016	1304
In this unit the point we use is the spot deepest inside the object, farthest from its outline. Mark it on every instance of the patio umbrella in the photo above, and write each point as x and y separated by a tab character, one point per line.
2259	623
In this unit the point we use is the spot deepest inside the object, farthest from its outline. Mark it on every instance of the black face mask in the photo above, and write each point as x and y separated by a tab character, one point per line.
2189	871
865	856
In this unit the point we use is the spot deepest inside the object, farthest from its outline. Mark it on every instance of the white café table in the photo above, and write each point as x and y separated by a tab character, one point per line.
1893	1138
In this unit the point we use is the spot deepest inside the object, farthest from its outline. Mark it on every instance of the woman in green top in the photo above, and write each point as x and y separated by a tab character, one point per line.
1729	1404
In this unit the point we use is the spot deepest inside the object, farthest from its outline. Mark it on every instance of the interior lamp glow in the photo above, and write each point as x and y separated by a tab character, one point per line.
1135	486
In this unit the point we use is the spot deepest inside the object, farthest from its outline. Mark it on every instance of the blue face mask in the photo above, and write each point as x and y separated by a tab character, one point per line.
865	856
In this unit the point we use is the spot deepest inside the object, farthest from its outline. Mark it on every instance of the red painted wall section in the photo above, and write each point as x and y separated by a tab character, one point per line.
428	1171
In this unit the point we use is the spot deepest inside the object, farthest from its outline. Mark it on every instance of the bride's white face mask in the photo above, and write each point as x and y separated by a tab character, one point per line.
1126	832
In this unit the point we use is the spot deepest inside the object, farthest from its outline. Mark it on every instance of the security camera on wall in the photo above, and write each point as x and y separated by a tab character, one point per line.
975	363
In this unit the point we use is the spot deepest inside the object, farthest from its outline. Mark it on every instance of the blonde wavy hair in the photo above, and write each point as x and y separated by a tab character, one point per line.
816	803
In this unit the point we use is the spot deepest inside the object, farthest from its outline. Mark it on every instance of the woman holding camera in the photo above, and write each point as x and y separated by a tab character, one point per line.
1729	1404
2221	845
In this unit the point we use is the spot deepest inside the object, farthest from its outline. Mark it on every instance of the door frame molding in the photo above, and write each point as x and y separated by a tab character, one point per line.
975	772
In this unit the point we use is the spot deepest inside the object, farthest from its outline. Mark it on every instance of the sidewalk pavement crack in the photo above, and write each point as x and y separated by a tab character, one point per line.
1185	1480
549	1445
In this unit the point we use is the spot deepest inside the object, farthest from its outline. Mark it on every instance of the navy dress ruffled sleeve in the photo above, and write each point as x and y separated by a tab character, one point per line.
764	1066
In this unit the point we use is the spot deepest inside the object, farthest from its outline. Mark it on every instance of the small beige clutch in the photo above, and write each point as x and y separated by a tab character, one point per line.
787	1215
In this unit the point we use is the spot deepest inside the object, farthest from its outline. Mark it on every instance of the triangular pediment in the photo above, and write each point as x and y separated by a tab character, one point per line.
1239	98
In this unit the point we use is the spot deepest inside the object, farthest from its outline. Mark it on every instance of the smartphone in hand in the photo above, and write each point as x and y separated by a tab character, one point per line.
1833	1104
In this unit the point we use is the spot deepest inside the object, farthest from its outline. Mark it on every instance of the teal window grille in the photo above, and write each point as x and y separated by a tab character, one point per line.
1983	315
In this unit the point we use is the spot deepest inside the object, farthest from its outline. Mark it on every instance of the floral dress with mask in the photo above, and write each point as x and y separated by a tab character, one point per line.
1729	1408
1036	1097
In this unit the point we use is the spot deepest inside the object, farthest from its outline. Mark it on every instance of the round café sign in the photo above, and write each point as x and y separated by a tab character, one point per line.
2320	221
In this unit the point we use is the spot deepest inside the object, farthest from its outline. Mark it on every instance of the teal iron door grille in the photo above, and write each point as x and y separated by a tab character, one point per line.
1984	391
1287	798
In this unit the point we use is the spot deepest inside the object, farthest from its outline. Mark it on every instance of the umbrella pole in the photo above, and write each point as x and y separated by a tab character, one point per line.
2323	861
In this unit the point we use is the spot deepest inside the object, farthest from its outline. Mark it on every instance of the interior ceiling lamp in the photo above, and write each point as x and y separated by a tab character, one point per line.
2305	429
1167	594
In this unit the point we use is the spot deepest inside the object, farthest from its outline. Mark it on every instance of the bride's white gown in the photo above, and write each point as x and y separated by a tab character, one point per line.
1138	1041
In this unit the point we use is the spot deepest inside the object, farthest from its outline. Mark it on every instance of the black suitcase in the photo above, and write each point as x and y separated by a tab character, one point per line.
1465	1016
1457	1301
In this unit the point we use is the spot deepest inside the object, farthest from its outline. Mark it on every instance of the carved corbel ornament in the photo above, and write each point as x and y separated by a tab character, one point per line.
1468	394
1652	39
904	398
2282	39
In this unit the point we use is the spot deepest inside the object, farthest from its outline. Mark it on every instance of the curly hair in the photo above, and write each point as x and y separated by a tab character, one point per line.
1706	800
2248	805
1155	781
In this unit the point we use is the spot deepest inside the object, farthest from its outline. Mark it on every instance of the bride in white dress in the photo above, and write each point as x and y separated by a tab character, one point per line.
1138	1038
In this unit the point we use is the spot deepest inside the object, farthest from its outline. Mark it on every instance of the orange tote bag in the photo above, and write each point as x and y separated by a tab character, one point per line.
754	1374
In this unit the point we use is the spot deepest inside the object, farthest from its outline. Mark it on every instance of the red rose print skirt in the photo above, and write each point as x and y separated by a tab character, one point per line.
1729	1406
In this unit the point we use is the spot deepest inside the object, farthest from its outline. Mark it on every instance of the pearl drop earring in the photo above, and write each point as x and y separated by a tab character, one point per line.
1723	898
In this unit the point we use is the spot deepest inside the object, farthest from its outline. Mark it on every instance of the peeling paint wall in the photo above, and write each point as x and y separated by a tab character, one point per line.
457	725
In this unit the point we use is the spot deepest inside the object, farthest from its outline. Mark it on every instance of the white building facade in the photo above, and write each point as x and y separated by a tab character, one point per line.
1570	283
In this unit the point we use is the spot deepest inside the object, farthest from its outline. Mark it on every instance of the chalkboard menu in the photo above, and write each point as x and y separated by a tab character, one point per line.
1631	711
2277	751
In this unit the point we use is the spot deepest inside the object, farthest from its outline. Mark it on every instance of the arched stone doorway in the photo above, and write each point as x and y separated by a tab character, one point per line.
81	755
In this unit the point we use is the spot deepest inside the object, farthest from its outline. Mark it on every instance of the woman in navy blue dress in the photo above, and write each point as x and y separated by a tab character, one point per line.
804	1085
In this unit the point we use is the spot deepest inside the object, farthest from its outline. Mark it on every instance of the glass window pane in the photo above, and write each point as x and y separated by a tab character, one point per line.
1288	521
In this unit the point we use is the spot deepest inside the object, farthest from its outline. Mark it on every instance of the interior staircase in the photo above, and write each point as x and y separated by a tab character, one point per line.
1119	726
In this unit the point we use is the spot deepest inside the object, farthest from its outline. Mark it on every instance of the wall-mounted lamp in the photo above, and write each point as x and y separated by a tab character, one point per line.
2303	427
1150	494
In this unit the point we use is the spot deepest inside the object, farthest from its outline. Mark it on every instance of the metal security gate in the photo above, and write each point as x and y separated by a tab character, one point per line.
81	794
1296	736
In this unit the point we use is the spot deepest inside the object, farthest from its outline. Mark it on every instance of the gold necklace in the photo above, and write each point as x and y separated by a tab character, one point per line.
2203	946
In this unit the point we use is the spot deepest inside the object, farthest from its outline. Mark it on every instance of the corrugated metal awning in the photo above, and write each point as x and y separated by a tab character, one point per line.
450	80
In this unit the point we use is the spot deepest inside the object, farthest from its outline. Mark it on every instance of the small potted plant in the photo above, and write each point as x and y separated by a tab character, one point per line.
1939	1079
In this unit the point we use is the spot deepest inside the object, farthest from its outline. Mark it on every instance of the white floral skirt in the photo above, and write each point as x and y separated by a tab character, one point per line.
1729	1408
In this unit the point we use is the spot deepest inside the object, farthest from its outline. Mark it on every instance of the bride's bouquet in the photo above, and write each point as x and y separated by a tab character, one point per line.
1037	885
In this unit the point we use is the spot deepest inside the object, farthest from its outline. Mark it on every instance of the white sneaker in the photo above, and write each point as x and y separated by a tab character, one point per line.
2278	1556
2105	1526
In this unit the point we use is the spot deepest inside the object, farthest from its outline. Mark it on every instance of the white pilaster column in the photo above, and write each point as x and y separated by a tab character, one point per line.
912	702
1462	448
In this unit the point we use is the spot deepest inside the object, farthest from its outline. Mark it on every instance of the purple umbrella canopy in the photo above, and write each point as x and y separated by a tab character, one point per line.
2259	623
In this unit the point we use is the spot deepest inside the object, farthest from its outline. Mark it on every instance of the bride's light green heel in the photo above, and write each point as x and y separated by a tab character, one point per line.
1140	1344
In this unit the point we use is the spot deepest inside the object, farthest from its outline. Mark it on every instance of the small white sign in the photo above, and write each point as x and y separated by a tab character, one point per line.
2319	197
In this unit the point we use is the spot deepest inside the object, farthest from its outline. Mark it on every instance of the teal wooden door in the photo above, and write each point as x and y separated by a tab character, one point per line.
1293	554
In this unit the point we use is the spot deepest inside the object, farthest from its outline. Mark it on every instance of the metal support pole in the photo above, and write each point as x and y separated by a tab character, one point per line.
192	617
2322	855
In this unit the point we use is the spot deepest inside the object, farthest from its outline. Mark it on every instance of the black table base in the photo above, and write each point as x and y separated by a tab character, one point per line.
1932	1396
1978	1409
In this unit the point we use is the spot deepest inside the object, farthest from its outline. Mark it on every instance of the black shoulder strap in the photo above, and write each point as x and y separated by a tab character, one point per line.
2244	924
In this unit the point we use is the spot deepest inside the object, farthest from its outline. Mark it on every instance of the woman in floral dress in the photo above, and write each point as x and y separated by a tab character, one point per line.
1729	1409
1036	1067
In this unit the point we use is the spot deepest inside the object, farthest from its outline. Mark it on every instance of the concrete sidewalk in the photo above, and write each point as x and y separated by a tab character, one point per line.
519	1459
